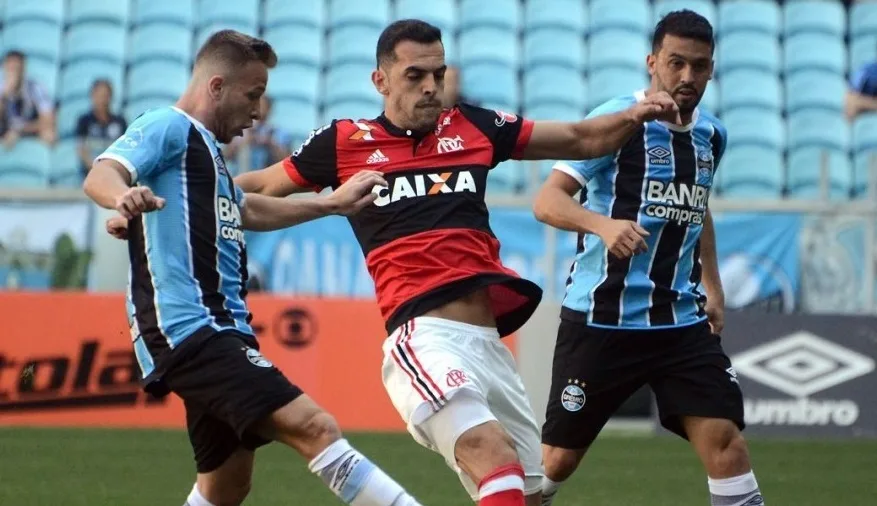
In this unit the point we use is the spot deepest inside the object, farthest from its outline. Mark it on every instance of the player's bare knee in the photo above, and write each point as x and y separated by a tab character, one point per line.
229	491
730	458
560	463
317	432
488	444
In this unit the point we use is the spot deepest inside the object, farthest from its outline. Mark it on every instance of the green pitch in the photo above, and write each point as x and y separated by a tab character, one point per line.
148	468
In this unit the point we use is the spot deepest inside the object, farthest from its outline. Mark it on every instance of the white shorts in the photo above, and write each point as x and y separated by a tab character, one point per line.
430	361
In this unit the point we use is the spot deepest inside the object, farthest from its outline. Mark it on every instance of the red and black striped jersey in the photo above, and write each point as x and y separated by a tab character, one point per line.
427	238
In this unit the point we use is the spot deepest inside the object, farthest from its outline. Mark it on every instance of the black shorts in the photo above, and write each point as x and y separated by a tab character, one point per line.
227	386
596	370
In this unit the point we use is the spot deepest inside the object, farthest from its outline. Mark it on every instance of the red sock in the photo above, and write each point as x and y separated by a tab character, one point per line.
502	487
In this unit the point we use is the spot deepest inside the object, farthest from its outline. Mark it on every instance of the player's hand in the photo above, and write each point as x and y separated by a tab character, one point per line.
138	200
657	106
715	312
356	193
623	238
117	227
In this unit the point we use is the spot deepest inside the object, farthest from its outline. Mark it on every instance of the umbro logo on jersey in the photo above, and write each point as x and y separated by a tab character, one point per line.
377	157
422	185
659	155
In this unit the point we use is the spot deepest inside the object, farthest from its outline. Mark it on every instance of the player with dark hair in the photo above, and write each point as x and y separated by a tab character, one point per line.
189	320
634	313
444	294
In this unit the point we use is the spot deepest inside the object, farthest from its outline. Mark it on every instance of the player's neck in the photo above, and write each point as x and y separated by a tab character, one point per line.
196	109
396	120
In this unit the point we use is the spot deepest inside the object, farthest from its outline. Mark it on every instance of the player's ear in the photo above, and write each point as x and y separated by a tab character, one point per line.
379	79
215	85
651	63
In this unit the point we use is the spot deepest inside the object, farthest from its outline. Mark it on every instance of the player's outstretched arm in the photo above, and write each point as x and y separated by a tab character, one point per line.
599	136
271	181
262	213
108	184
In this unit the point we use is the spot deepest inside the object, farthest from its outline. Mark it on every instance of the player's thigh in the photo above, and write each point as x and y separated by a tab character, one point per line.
594	372
696	380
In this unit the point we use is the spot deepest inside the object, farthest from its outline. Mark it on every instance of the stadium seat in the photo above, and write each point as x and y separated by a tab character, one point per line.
77	78
353	44
863	19
309	13
751	88
554	112
617	49
748	50
863	50
95	41
506	178
296	117
705	8
68	115
49	11
137	107
112	11
500	14
864	169
45	73
865	133
751	15
606	84
36	39
754	127
26	165
569	15
64	170
181	12
298	44
354	110
806	51
489	45
350	82
818	128
554	85
631	15
157	79
710	100
805	173
296	81
238	12
752	172
492	83
373	14
441	13
540	48
160	41
810	89
814	16
204	32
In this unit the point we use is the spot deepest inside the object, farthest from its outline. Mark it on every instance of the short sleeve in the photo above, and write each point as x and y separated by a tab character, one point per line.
314	164
41	98
82	126
865	80
721	143
508	133
151	138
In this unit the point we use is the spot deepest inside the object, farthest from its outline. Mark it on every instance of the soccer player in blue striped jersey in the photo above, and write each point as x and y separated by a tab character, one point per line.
187	293
644	302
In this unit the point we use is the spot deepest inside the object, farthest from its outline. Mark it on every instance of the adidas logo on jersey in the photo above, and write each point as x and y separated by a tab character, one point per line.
422	185
377	157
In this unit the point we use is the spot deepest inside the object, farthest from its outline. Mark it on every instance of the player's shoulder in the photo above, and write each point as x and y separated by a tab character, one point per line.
711	120
614	104
164	120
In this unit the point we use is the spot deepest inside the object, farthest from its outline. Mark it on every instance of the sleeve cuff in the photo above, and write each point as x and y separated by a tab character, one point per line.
571	172
297	178
523	139
121	159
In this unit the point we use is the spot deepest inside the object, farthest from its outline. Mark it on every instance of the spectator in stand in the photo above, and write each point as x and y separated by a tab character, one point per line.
25	107
862	93
267	143
99	127
453	94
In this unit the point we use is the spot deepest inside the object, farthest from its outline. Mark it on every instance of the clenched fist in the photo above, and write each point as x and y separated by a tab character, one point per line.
138	200
623	238
657	106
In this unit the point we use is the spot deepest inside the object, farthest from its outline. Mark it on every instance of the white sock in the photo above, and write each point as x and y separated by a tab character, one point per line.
196	499
737	491
355	480
549	489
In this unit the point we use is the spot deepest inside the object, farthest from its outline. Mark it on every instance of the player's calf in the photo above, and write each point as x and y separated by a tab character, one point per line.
560	464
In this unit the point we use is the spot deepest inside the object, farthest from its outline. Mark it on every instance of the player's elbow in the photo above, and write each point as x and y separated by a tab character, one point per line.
542	206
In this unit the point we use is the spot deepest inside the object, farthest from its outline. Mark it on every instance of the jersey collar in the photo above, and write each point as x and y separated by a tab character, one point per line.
396	131
641	95
195	122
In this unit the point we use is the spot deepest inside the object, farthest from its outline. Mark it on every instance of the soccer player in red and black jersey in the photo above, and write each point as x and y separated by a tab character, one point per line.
445	296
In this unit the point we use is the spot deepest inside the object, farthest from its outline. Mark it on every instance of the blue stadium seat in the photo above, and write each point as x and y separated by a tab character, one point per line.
819	128
617	48
296	117
752	172
181	12
296	81
205	31
95	41
806	51
68	115
489	45
238	12
36	39
294	12
541	48
506	178
45	73
606	84
863	19
452	55
64	170
751	88
77	78
632	15
569	15
810	89
160	41
748	50
441	13
503	14
372	14
755	127
113	11
705	8
350	82
751	15
50	11
805	173
863	50
353	44
354	110
555	85
865	133
137	107
492	83
864	169
710	99
157	79
26	165
298	44
814	16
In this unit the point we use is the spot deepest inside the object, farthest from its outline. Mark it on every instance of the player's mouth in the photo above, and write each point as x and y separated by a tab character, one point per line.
687	93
